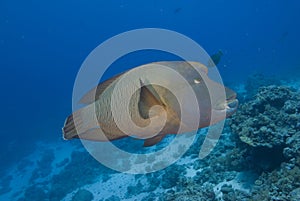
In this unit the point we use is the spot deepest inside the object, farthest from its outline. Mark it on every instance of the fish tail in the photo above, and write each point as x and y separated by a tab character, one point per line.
71	126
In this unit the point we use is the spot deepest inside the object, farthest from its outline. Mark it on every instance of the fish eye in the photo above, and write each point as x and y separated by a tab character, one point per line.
197	81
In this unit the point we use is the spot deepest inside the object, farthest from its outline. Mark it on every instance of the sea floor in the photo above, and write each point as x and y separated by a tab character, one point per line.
63	170
46	174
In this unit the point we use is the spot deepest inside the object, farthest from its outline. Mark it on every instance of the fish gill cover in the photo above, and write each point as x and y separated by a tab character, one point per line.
44	43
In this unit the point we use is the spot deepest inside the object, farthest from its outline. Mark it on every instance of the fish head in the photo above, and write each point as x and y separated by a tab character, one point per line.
215	101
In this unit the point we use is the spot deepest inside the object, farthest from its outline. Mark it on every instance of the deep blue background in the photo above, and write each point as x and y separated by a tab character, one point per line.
43	43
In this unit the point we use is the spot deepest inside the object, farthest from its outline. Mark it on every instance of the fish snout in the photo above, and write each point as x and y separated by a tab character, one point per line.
230	105
232	102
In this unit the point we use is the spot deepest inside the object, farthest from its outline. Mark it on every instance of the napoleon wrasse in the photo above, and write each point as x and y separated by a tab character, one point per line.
96	121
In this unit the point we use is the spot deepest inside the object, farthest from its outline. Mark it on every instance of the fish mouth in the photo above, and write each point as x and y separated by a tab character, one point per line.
231	106
231	103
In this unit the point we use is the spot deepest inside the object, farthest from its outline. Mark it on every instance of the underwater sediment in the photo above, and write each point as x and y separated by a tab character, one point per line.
256	158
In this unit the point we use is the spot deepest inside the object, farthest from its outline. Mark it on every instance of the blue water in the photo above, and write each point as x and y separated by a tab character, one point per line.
43	44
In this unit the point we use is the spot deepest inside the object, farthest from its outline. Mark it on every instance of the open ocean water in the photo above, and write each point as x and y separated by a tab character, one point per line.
256	47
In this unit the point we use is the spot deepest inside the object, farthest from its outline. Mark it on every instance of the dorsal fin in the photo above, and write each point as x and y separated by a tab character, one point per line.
199	66
148	98
91	96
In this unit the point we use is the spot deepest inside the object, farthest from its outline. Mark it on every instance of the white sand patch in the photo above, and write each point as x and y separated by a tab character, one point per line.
116	186
241	182
191	172
187	161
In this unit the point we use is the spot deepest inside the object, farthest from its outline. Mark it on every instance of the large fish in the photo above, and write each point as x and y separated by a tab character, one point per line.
81	124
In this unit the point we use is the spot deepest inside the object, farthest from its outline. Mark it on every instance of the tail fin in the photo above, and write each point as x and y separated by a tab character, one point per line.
80	122
69	129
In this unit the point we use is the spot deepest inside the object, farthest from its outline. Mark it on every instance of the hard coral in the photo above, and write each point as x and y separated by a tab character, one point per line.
269	119
269	127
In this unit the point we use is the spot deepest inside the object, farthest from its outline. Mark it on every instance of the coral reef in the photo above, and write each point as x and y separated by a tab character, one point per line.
269	119
196	180
278	184
268	126
193	192
172	176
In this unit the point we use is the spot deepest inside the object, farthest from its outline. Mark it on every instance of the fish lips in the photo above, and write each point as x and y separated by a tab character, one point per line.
231	106
231	103
225	110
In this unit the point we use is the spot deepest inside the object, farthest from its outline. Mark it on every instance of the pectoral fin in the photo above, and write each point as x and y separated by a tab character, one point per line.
154	140
148	98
